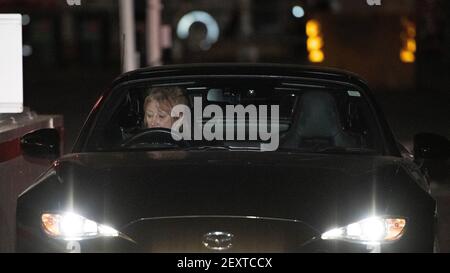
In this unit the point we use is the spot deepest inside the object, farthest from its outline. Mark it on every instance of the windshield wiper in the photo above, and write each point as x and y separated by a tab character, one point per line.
207	148
346	150
224	148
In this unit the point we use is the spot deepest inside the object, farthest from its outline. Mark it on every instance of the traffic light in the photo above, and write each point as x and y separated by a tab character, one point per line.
314	42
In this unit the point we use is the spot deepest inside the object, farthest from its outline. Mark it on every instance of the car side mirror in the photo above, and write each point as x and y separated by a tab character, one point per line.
431	146
431	152
42	144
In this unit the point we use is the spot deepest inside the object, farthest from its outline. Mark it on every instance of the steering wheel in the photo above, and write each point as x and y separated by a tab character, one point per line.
155	137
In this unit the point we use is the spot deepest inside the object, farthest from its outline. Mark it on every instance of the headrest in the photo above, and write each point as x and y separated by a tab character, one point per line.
318	116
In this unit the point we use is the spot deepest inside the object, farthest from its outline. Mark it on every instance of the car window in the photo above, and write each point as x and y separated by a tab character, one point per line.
237	115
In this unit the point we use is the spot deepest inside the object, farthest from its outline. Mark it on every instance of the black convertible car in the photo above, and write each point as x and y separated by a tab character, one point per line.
232	158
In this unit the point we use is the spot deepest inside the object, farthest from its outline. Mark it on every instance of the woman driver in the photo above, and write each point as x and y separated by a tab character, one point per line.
158	106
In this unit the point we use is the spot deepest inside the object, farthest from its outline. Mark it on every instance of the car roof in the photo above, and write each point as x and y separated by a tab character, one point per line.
242	69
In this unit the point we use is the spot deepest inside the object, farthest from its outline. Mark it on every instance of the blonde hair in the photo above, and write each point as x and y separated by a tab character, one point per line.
172	95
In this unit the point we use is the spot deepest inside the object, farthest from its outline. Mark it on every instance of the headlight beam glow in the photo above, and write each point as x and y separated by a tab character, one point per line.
369	231
71	226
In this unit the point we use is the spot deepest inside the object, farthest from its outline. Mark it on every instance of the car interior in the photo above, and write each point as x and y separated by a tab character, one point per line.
308	119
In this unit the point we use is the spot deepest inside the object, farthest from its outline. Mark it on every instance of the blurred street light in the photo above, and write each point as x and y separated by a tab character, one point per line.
411	45
26	19
316	56
298	12
314	43
407	56
212	27
27	50
408	38
312	28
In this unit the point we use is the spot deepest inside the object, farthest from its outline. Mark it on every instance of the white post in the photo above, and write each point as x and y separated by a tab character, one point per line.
127	35
153	37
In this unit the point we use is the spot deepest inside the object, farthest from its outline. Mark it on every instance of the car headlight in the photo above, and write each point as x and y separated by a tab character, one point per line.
73	227
369	231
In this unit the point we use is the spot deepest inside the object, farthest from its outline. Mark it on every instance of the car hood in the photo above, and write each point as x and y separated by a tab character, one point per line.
320	190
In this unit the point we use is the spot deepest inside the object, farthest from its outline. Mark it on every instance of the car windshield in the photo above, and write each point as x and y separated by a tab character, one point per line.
245	114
